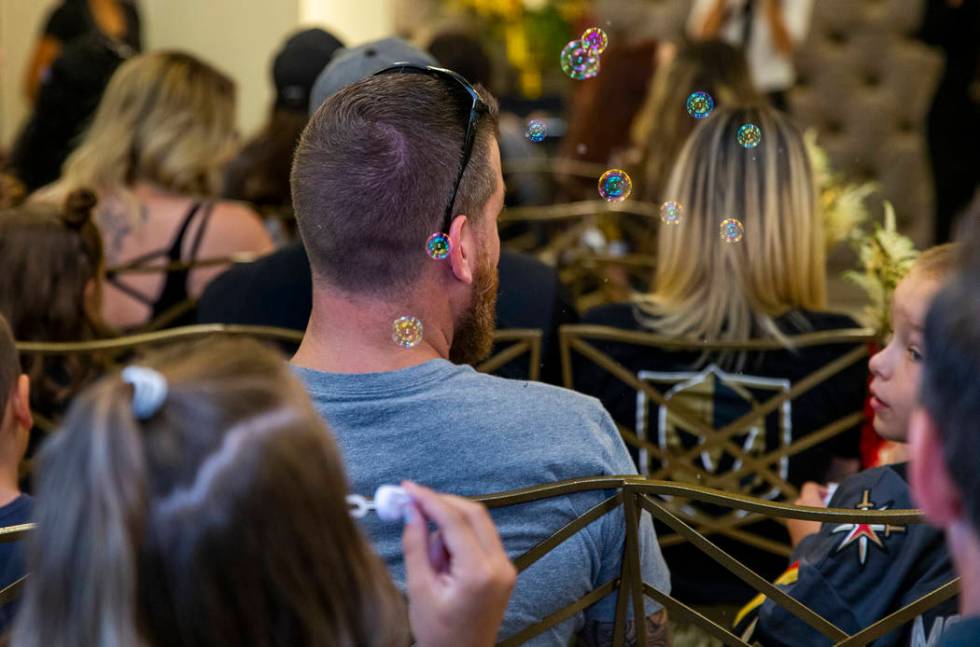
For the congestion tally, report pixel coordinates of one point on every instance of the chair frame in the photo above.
(577, 338)
(636, 494)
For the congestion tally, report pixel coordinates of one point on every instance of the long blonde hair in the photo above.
(707, 288)
(166, 118)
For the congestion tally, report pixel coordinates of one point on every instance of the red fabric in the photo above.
(871, 442)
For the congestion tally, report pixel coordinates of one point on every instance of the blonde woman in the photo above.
(768, 285)
(155, 153)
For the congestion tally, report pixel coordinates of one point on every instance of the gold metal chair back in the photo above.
(753, 468)
(637, 495)
(510, 345)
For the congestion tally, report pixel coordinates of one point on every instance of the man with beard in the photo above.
(397, 187)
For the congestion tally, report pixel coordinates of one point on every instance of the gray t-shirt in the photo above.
(459, 431)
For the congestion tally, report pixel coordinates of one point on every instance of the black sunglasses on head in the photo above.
(477, 106)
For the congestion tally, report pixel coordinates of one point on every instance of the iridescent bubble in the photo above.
(671, 212)
(700, 104)
(578, 62)
(732, 230)
(406, 332)
(615, 185)
(438, 246)
(537, 130)
(749, 135)
(595, 39)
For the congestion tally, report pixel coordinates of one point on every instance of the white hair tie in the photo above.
(149, 390)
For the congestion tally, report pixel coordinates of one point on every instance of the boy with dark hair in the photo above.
(856, 574)
(945, 436)
(15, 427)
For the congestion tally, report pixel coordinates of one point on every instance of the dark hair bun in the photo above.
(78, 208)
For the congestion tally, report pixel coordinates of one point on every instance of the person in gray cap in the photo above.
(355, 63)
(260, 172)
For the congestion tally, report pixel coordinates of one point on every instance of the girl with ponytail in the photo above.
(197, 499)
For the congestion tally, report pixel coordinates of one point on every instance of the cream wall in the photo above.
(20, 22)
(353, 21)
(238, 36)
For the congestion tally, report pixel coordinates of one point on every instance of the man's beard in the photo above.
(473, 334)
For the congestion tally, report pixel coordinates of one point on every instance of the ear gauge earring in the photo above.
(390, 502)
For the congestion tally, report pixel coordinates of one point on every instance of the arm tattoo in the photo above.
(600, 634)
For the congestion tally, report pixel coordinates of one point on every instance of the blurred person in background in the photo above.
(602, 110)
(51, 273)
(117, 20)
(953, 26)
(663, 125)
(768, 30)
(154, 154)
(65, 103)
(259, 174)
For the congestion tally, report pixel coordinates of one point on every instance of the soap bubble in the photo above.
(595, 40)
(615, 185)
(700, 104)
(671, 212)
(438, 246)
(578, 62)
(732, 230)
(406, 332)
(537, 130)
(749, 135)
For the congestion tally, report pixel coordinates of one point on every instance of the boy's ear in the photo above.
(21, 402)
(933, 489)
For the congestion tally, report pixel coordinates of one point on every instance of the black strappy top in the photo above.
(175, 289)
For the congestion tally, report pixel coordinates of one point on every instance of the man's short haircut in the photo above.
(950, 389)
(373, 174)
(9, 364)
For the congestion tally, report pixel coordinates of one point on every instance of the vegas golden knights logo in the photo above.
(716, 398)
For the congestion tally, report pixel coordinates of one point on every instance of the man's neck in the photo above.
(352, 334)
(965, 548)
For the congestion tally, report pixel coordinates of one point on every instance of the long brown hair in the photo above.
(51, 262)
(218, 519)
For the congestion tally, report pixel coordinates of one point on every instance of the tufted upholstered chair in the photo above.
(865, 84)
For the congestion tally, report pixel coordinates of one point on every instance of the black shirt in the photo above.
(12, 565)
(762, 377)
(74, 18)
